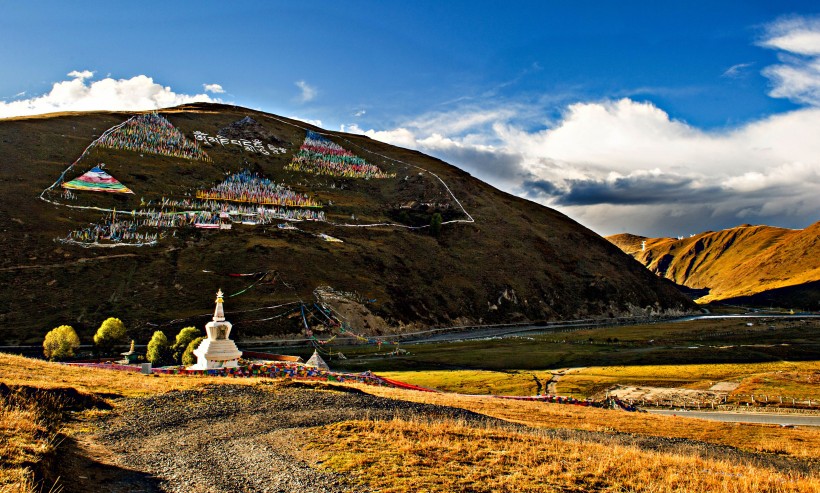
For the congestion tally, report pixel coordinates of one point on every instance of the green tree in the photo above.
(159, 350)
(435, 224)
(184, 338)
(60, 343)
(110, 333)
(188, 357)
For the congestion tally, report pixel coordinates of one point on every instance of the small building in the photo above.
(130, 357)
(316, 361)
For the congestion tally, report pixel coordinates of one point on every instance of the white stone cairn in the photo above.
(218, 350)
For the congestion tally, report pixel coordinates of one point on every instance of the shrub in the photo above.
(110, 333)
(188, 357)
(184, 339)
(60, 343)
(435, 224)
(159, 350)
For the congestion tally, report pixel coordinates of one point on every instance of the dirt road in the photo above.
(765, 418)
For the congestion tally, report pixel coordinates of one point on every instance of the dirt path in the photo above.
(552, 384)
(240, 438)
(85, 465)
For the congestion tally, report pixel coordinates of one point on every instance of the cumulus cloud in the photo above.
(81, 94)
(213, 88)
(627, 166)
(308, 93)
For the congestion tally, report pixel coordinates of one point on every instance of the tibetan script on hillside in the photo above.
(255, 145)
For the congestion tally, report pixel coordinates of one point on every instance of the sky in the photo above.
(654, 118)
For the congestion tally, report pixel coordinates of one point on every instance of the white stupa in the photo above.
(218, 350)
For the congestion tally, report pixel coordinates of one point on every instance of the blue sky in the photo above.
(626, 116)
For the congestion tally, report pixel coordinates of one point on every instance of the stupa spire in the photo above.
(219, 312)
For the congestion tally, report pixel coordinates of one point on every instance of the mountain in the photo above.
(761, 265)
(390, 239)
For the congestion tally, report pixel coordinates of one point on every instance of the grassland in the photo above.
(784, 378)
(402, 456)
(449, 455)
(706, 341)
(479, 382)
(31, 425)
(803, 443)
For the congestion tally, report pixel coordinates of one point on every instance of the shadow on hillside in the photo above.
(802, 297)
(80, 467)
(691, 293)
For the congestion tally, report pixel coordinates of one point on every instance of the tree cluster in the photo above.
(62, 342)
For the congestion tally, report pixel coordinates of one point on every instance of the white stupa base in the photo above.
(215, 354)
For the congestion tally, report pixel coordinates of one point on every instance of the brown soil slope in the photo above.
(739, 262)
(518, 261)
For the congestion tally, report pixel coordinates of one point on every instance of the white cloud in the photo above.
(85, 74)
(79, 94)
(627, 164)
(359, 113)
(213, 88)
(736, 71)
(800, 35)
(314, 122)
(797, 77)
(623, 165)
(308, 92)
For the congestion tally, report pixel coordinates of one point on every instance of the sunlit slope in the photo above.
(738, 262)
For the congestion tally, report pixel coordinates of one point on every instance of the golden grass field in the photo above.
(797, 442)
(482, 382)
(401, 456)
(446, 455)
(28, 429)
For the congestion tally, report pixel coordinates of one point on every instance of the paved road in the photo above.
(766, 418)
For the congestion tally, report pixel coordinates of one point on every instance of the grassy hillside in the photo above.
(49, 428)
(745, 262)
(517, 261)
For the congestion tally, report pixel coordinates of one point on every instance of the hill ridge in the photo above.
(739, 262)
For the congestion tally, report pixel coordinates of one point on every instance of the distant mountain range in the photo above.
(761, 265)
(391, 239)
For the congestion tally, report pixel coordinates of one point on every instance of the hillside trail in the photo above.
(81, 260)
(552, 384)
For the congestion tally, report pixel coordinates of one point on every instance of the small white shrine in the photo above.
(218, 350)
